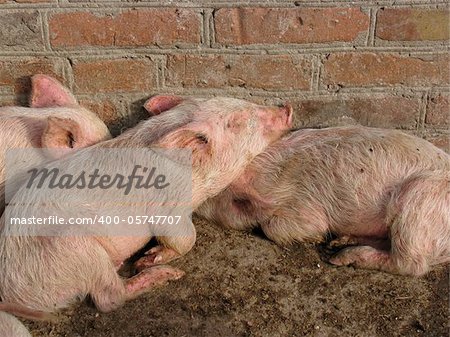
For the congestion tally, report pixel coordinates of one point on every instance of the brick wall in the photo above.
(337, 62)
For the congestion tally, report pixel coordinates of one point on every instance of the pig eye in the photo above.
(71, 141)
(202, 138)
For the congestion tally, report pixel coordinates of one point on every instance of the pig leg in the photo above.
(306, 227)
(165, 253)
(150, 278)
(364, 257)
(48, 273)
(160, 254)
(418, 219)
(11, 326)
(340, 242)
(169, 248)
(111, 291)
(108, 292)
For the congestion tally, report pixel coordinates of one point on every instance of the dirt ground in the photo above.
(241, 284)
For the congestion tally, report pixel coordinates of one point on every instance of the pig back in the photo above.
(346, 172)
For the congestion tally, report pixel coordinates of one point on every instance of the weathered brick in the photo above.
(20, 30)
(15, 74)
(34, 1)
(143, 27)
(378, 111)
(368, 69)
(235, 26)
(407, 24)
(105, 109)
(438, 110)
(114, 75)
(251, 71)
(7, 102)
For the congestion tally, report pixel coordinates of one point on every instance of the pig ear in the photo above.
(197, 141)
(47, 92)
(60, 133)
(161, 103)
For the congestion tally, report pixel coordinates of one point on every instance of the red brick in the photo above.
(105, 109)
(407, 24)
(378, 111)
(34, 1)
(15, 74)
(114, 75)
(20, 30)
(438, 110)
(158, 26)
(368, 69)
(251, 71)
(235, 26)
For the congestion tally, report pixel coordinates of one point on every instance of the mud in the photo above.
(241, 284)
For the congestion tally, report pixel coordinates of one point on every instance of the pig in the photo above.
(48, 273)
(54, 120)
(382, 191)
(11, 326)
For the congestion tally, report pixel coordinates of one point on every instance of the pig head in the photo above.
(54, 120)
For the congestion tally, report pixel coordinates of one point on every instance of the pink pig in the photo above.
(54, 120)
(11, 326)
(383, 191)
(224, 134)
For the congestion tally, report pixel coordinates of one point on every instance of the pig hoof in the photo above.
(154, 250)
(363, 257)
(342, 241)
(156, 255)
(146, 262)
(152, 258)
(348, 256)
